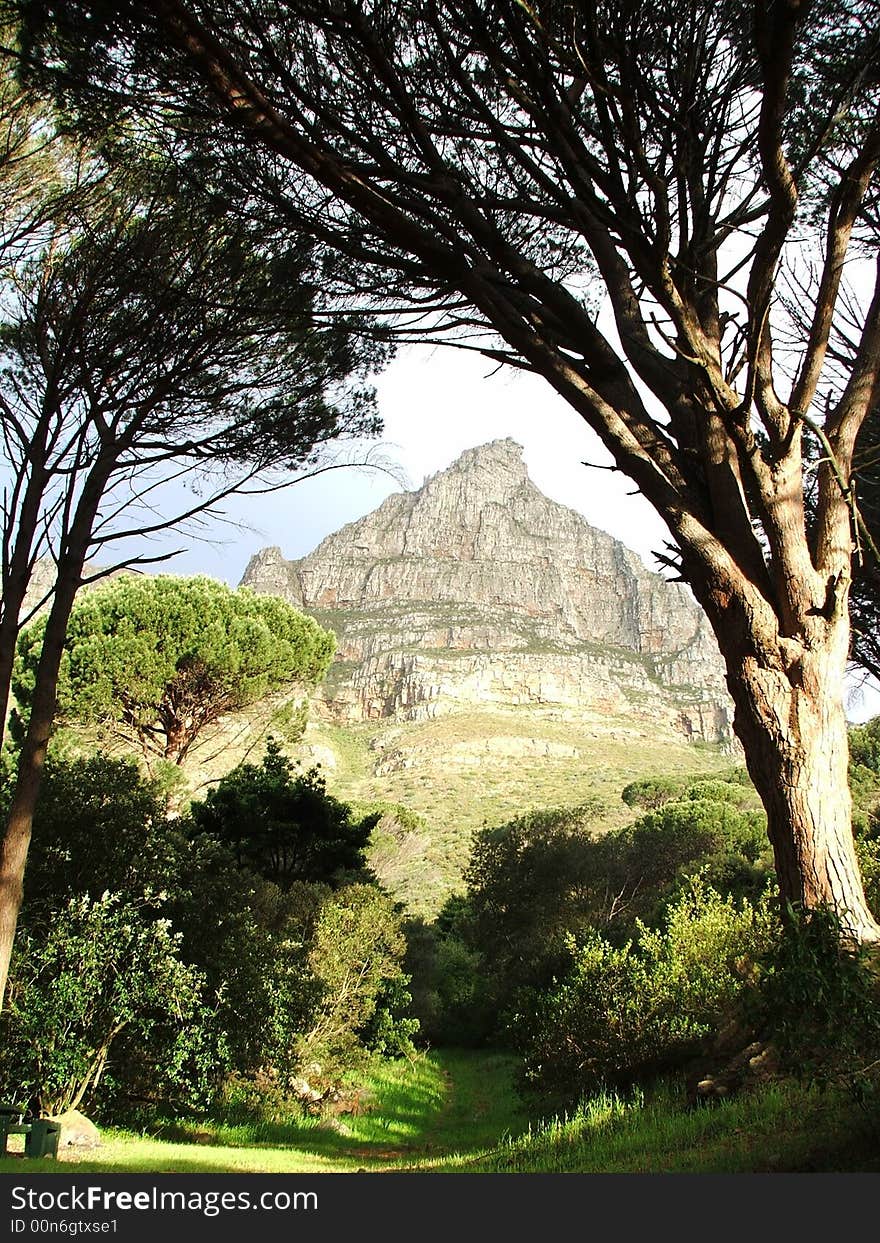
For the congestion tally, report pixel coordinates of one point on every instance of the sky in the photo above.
(435, 403)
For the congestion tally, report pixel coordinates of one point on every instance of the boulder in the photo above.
(77, 1131)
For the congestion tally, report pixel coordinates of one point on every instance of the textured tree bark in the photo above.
(790, 718)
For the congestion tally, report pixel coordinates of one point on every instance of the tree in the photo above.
(356, 954)
(284, 826)
(159, 660)
(865, 598)
(100, 828)
(151, 338)
(488, 164)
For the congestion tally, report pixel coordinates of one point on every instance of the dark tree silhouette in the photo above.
(490, 166)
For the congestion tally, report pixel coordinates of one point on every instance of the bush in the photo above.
(99, 827)
(355, 956)
(100, 1005)
(653, 792)
(622, 1012)
(864, 745)
(530, 883)
(450, 997)
(818, 998)
(718, 791)
(284, 826)
(658, 853)
(868, 853)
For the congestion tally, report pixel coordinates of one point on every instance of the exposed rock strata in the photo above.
(478, 589)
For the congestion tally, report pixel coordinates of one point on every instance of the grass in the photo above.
(781, 1127)
(415, 1113)
(457, 795)
(458, 1112)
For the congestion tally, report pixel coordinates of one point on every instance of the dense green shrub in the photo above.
(868, 853)
(541, 878)
(621, 1012)
(283, 825)
(864, 745)
(653, 792)
(530, 883)
(714, 790)
(275, 972)
(355, 955)
(390, 1029)
(100, 827)
(662, 849)
(818, 997)
(99, 1004)
(450, 997)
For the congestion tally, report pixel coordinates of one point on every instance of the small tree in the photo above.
(283, 826)
(159, 660)
(102, 972)
(101, 828)
(356, 955)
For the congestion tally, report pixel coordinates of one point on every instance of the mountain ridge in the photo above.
(476, 588)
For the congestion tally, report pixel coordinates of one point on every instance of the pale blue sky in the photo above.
(436, 404)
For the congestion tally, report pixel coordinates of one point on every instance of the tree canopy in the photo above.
(151, 335)
(160, 659)
(483, 170)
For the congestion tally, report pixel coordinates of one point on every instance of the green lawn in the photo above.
(456, 1111)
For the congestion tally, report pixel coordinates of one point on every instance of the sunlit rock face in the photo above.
(479, 590)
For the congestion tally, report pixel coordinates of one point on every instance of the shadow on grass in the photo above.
(412, 1113)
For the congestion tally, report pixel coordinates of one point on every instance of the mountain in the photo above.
(477, 591)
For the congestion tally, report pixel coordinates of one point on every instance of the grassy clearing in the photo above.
(458, 1112)
(457, 798)
(412, 1114)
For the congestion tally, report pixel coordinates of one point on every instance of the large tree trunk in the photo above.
(17, 838)
(790, 720)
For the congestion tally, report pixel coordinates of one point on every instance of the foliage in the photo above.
(162, 658)
(500, 181)
(537, 881)
(865, 592)
(623, 1012)
(653, 792)
(250, 942)
(264, 957)
(660, 850)
(868, 848)
(864, 746)
(356, 955)
(819, 997)
(530, 883)
(390, 1029)
(98, 984)
(451, 998)
(100, 827)
(284, 826)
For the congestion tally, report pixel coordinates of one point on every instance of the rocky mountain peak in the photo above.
(480, 565)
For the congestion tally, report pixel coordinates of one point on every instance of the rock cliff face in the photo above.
(479, 590)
